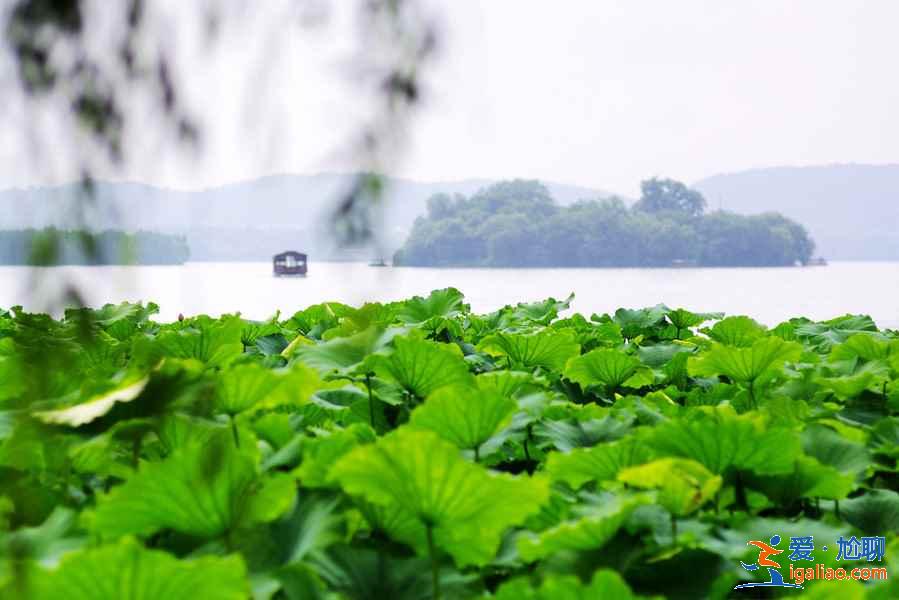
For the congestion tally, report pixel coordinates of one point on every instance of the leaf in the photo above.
(599, 463)
(202, 489)
(548, 349)
(241, 387)
(736, 331)
(604, 584)
(720, 440)
(830, 448)
(639, 321)
(467, 507)
(509, 383)
(684, 485)
(876, 512)
(871, 376)
(96, 406)
(419, 366)
(605, 367)
(342, 354)
(464, 415)
(126, 571)
(567, 435)
(809, 479)
(684, 319)
(213, 342)
(372, 573)
(765, 356)
(586, 533)
(447, 303)
(321, 453)
(860, 345)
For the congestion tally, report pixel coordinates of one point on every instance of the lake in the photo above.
(769, 295)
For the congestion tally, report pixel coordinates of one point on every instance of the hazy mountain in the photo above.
(851, 211)
(242, 221)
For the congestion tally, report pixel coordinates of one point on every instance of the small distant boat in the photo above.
(817, 261)
(683, 263)
(289, 264)
(378, 262)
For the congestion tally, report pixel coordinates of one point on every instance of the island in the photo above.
(518, 224)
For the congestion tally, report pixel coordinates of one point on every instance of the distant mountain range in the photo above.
(852, 211)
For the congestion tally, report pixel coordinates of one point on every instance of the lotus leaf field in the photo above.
(417, 450)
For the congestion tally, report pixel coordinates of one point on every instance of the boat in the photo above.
(378, 262)
(817, 261)
(290, 263)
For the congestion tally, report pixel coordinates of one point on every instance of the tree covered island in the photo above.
(519, 224)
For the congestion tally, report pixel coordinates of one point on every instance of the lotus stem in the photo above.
(371, 401)
(673, 529)
(435, 571)
(477, 453)
(234, 432)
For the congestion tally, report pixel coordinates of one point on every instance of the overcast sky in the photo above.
(596, 93)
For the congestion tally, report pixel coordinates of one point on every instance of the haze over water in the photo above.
(769, 295)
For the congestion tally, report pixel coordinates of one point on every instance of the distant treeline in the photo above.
(61, 247)
(518, 224)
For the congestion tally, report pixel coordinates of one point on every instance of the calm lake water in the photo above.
(769, 295)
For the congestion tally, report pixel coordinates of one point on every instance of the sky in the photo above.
(597, 93)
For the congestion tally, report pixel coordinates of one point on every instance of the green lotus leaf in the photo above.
(126, 571)
(661, 354)
(447, 303)
(830, 448)
(827, 334)
(203, 489)
(296, 385)
(885, 436)
(874, 513)
(736, 331)
(548, 349)
(861, 345)
(371, 315)
(213, 342)
(639, 321)
(684, 319)
(121, 321)
(586, 533)
(371, 574)
(42, 545)
(314, 320)
(683, 485)
(871, 376)
(569, 434)
(509, 383)
(604, 584)
(721, 440)
(466, 507)
(809, 479)
(532, 313)
(608, 368)
(96, 406)
(241, 387)
(420, 366)
(765, 356)
(602, 462)
(342, 354)
(321, 453)
(464, 415)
